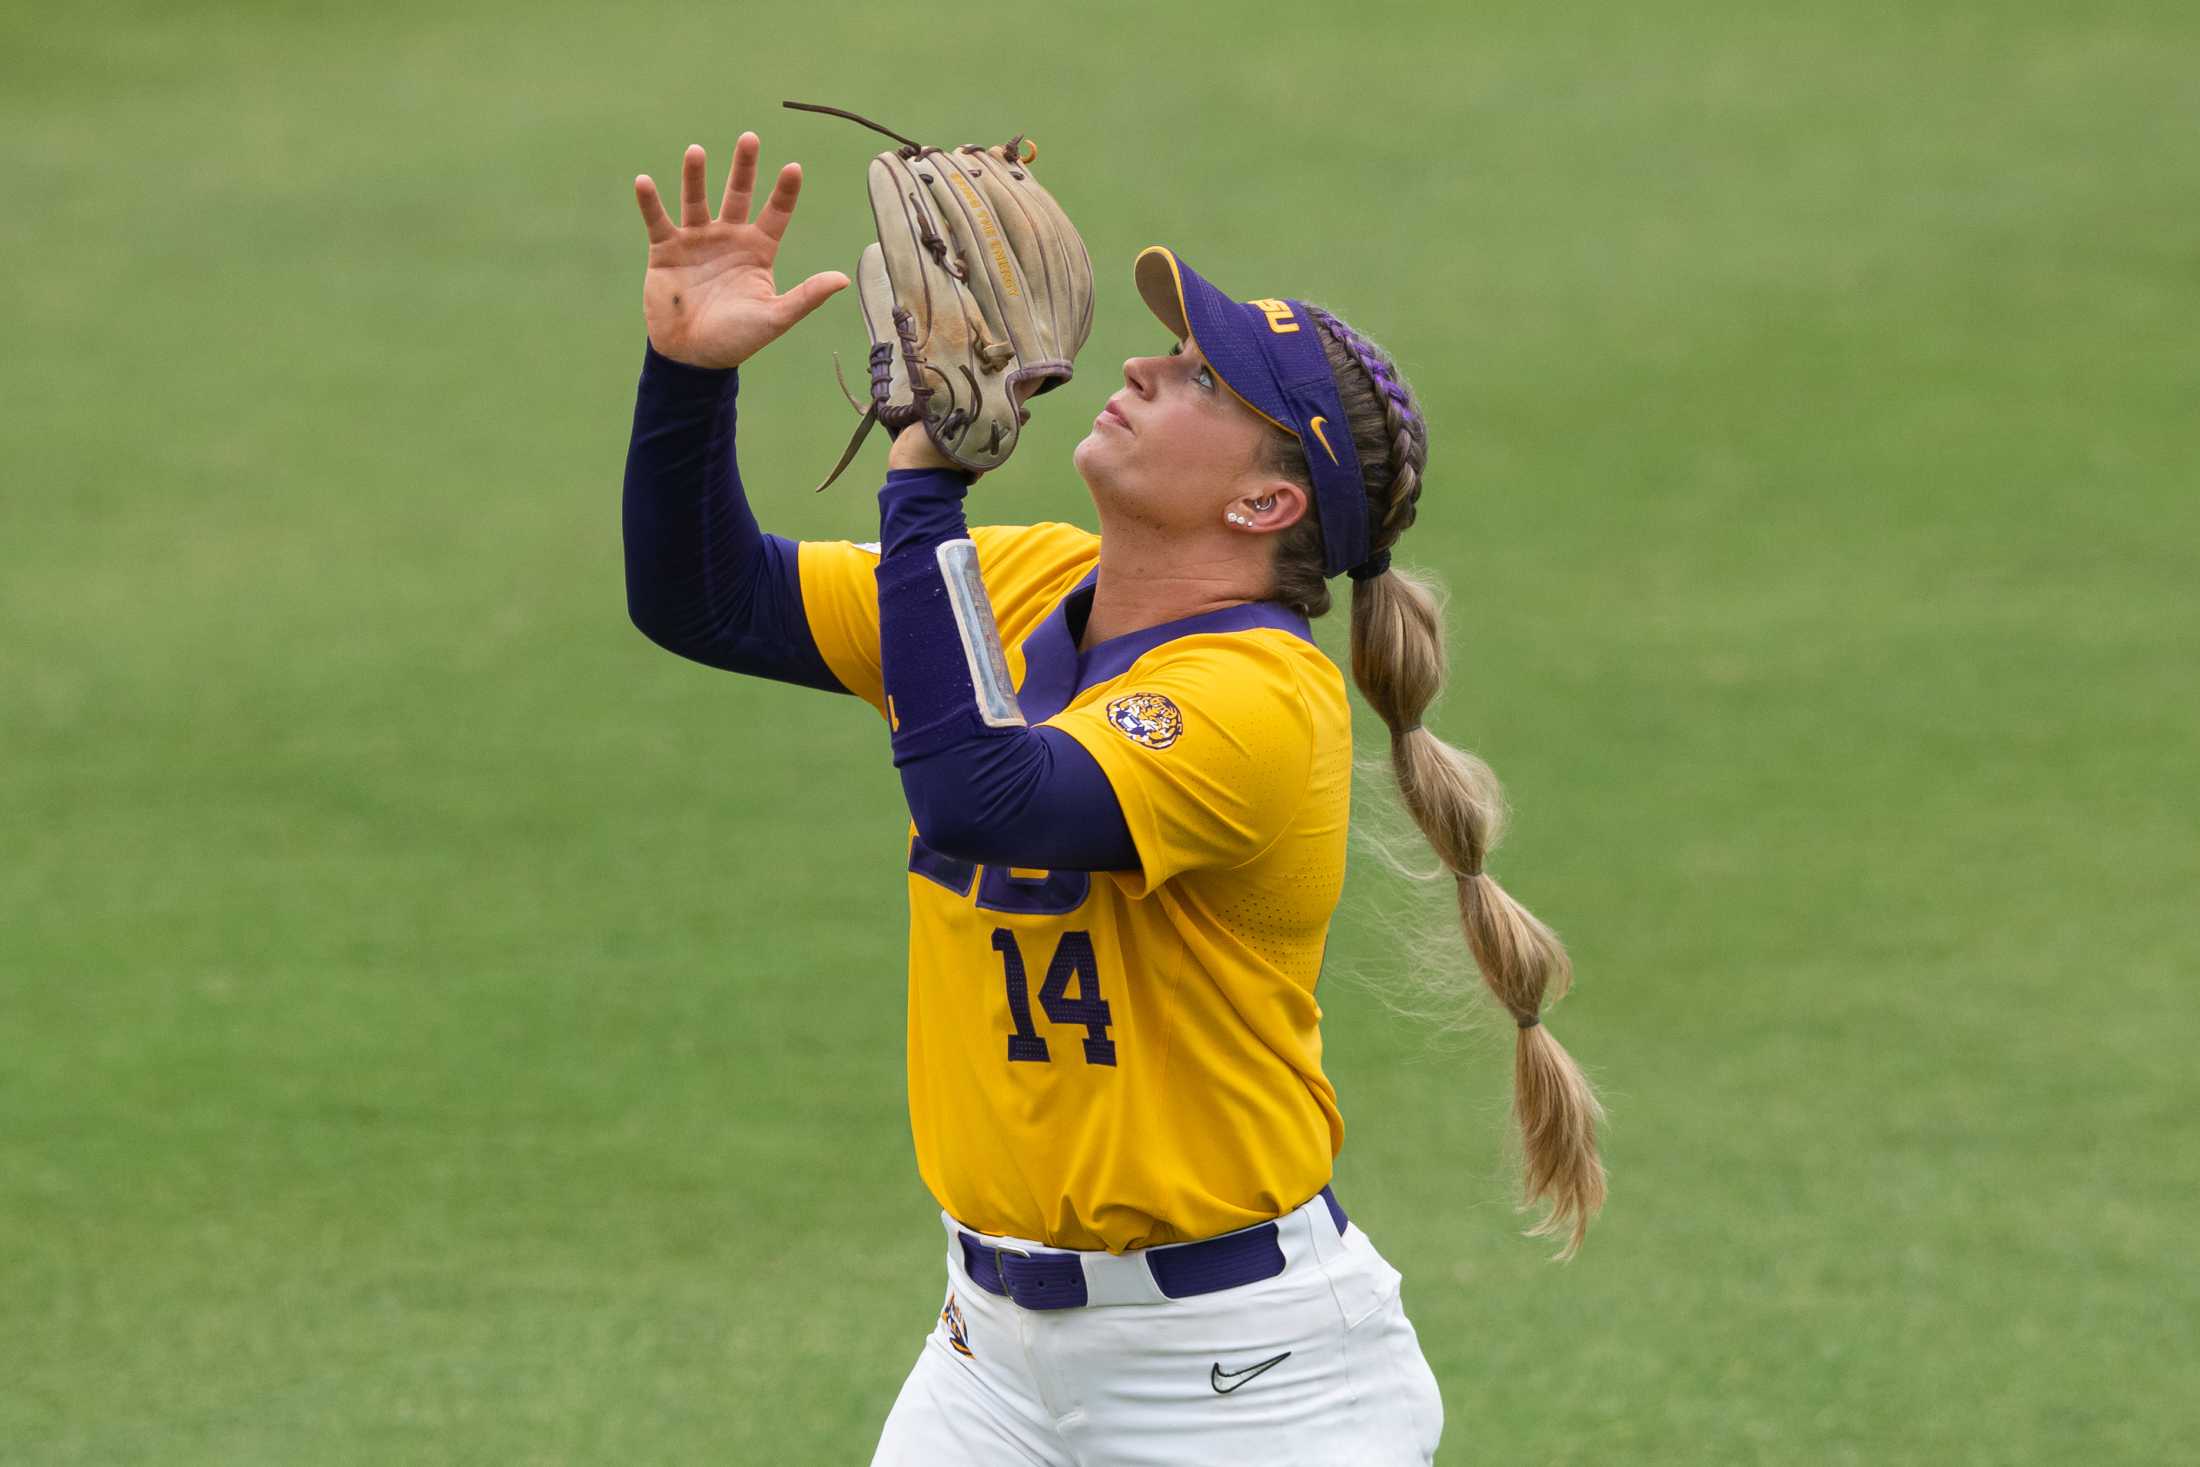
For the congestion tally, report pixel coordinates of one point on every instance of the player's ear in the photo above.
(1274, 504)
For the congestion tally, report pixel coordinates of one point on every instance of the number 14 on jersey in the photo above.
(1073, 962)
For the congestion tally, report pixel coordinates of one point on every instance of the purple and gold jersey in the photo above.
(1122, 1059)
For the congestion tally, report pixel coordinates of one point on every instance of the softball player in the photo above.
(1128, 770)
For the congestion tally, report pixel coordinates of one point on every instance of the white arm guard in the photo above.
(981, 638)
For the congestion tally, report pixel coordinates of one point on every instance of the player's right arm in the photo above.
(703, 580)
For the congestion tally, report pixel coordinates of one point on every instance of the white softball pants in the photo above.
(1317, 1365)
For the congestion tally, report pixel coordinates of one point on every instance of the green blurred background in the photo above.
(438, 1027)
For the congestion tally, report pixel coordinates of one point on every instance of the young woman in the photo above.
(1120, 887)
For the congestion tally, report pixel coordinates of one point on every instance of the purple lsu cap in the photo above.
(1268, 352)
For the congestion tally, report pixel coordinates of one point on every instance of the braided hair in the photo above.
(1398, 661)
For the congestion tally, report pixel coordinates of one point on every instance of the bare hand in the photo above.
(913, 449)
(707, 296)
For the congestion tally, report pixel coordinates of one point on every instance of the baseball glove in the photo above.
(978, 286)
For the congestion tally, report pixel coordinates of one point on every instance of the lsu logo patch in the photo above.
(952, 1317)
(1146, 718)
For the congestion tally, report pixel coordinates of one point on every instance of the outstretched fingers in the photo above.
(693, 211)
(779, 208)
(654, 218)
(741, 181)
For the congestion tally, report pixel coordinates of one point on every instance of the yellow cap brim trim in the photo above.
(1162, 287)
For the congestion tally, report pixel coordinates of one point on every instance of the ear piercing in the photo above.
(1238, 519)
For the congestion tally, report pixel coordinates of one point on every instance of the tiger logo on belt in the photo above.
(1147, 718)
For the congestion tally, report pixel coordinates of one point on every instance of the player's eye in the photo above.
(1205, 376)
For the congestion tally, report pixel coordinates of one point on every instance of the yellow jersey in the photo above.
(1121, 1059)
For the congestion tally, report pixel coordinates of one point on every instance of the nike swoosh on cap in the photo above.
(1316, 425)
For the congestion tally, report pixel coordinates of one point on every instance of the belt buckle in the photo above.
(1001, 1269)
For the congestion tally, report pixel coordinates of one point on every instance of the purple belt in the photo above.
(1056, 1280)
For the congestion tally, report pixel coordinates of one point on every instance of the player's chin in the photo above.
(1092, 455)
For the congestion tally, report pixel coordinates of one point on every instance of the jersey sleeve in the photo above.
(1024, 567)
(840, 600)
(1209, 744)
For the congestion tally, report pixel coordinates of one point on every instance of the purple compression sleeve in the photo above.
(701, 579)
(1021, 796)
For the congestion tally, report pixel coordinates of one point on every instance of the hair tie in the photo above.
(1531, 1021)
(1373, 566)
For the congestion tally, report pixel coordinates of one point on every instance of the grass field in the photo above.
(437, 1027)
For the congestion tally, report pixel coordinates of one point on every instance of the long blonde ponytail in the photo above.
(1399, 663)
